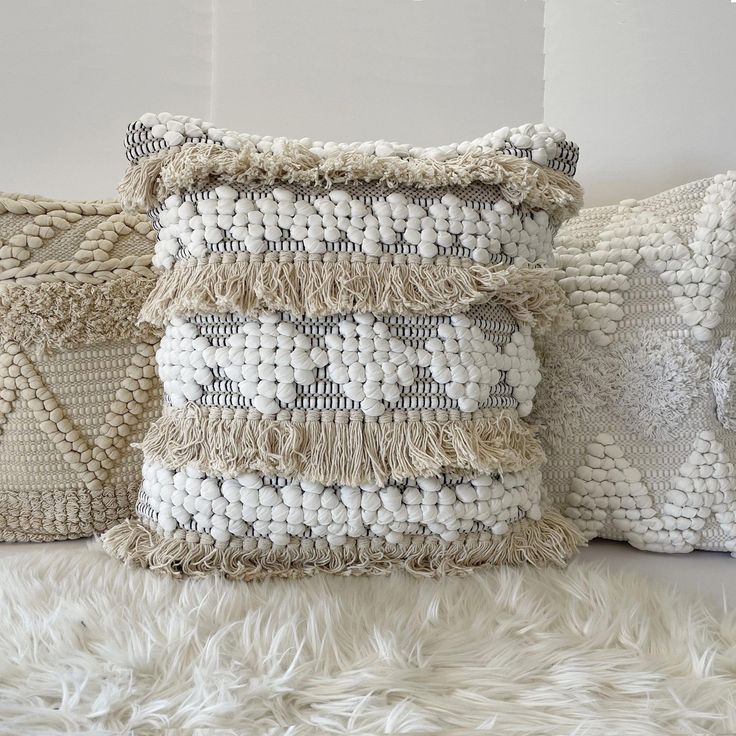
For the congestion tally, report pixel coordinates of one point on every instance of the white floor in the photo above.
(705, 573)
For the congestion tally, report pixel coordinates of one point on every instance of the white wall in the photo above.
(424, 72)
(74, 73)
(645, 86)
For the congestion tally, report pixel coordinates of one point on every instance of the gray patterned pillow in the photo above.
(638, 397)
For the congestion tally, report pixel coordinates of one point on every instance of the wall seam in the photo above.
(544, 62)
(213, 26)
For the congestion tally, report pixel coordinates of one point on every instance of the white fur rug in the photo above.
(89, 646)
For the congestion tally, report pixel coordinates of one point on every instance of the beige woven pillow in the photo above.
(77, 376)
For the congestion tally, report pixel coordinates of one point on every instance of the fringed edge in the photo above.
(194, 166)
(549, 541)
(55, 316)
(348, 451)
(318, 288)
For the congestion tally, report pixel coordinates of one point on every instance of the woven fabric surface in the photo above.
(348, 354)
(78, 381)
(638, 398)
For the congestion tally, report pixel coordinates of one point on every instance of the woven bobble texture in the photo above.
(638, 401)
(348, 351)
(78, 381)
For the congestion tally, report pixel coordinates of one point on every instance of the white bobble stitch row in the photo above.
(268, 359)
(381, 225)
(251, 505)
(542, 141)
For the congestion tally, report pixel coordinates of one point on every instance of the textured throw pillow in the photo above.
(638, 398)
(348, 352)
(77, 376)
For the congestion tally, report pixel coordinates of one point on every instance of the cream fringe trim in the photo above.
(345, 451)
(59, 316)
(195, 166)
(318, 288)
(550, 541)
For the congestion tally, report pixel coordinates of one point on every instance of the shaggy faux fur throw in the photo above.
(90, 646)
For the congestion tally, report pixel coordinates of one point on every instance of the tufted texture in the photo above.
(348, 354)
(77, 375)
(638, 398)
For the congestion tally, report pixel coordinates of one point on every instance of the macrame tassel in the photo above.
(318, 288)
(549, 541)
(347, 452)
(140, 184)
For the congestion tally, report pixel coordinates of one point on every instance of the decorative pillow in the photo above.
(348, 352)
(637, 398)
(77, 376)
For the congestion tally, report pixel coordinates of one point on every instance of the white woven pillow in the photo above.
(348, 354)
(77, 375)
(638, 398)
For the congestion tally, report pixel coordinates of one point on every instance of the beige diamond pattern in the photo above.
(92, 459)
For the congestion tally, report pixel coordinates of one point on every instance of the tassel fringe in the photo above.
(318, 288)
(550, 541)
(197, 165)
(61, 315)
(341, 450)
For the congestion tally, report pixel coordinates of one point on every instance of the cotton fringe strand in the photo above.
(61, 315)
(197, 166)
(341, 450)
(550, 541)
(316, 288)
